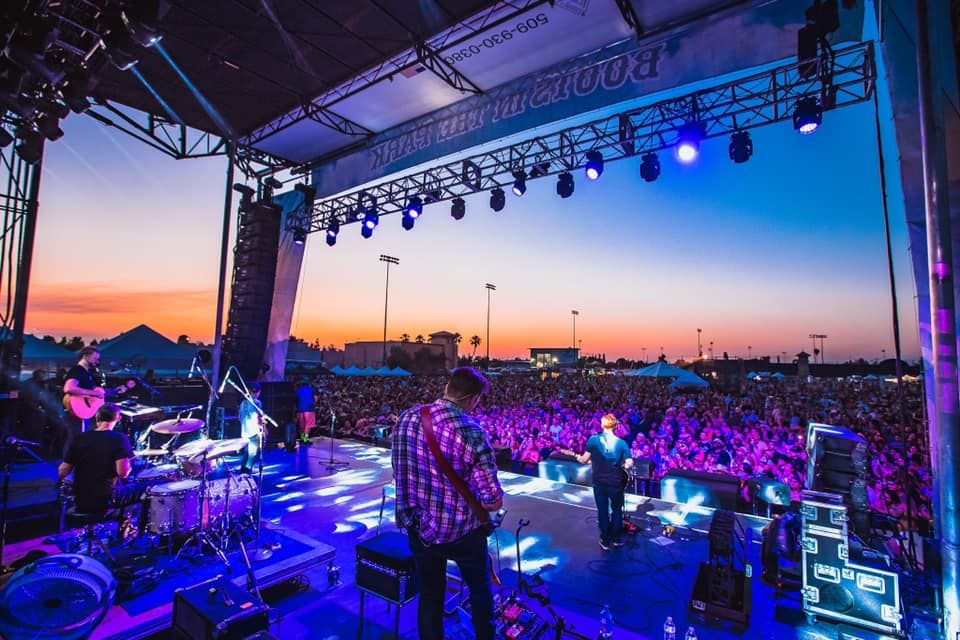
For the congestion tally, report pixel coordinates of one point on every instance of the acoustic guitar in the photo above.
(85, 407)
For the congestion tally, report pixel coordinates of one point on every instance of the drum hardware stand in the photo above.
(201, 536)
(334, 465)
(262, 552)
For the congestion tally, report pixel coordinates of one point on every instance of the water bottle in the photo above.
(669, 629)
(691, 634)
(606, 623)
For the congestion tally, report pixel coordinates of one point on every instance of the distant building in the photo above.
(553, 357)
(369, 353)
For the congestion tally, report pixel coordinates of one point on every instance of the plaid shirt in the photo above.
(424, 494)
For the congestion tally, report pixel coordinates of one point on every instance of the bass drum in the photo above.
(174, 507)
(63, 596)
(241, 491)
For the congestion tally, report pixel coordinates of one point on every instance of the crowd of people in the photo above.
(755, 430)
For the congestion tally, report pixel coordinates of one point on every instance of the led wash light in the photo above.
(594, 166)
(688, 142)
(650, 167)
(332, 232)
(741, 146)
(519, 183)
(565, 184)
(807, 116)
(458, 208)
(414, 208)
(497, 199)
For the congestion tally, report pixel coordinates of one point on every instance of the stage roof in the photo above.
(305, 80)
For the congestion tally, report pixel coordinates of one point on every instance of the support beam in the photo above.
(750, 102)
(630, 17)
(439, 67)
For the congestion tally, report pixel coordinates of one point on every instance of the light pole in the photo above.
(699, 347)
(749, 352)
(574, 313)
(711, 350)
(814, 337)
(490, 288)
(386, 297)
(644, 349)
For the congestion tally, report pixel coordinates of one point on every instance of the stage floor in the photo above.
(645, 581)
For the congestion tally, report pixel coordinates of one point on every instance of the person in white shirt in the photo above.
(251, 428)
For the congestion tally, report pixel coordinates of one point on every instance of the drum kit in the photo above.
(180, 499)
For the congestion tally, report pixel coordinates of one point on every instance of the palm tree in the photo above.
(457, 338)
(419, 338)
(405, 338)
(474, 342)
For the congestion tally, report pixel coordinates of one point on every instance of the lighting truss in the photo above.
(182, 142)
(760, 99)
(489, 18)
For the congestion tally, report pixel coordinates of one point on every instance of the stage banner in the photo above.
(737, 40)
(289, 261)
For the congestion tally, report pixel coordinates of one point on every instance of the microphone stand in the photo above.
(334, 465)
(211, 399)
(262, 552)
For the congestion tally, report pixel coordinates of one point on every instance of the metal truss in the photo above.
(182, 142)
(444, 70)
(630, 16)
(19, 185)
(760, 99)
(500, 12)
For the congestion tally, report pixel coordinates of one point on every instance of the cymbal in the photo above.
(195, 448)
(180, 425)
(151, 452)
(227, 447)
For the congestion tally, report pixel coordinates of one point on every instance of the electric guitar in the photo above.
(624, 474)
(85, 407)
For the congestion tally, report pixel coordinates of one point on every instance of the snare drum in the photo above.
(241, 492)
(174, 507)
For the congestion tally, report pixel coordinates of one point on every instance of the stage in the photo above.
(329, 511)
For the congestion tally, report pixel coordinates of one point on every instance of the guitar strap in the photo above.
(475, 507)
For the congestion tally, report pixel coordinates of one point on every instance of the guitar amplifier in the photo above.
(217, 610)
(385, 568)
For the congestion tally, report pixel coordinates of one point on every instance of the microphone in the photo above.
(193, 368)
(13, 441)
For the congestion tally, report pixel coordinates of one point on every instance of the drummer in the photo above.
(97, 460)
(251, 428)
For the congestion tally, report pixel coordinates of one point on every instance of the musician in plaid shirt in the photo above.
(438, 520)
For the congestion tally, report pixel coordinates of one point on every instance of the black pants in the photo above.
(470, 554)
(609, 511)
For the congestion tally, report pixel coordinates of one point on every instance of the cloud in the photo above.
(105, 298)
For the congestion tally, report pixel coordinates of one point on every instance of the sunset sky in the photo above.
(760, 254)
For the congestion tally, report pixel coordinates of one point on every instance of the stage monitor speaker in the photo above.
(565, 471)
(504, 458)
(643, 468)
(834, 586)
(713, 490)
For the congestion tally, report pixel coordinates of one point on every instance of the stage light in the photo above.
(332, 230)
(30, 148)
(408, 222)
(141, 19)
(650, 166)
(688, 141)
(371, 219)
(458, 209)
(414, 207)
(519, 183)
(366, 232)
(299, 236)
(359, 214)
(118, 45)
(5, 137)
(497, 199)
(49, 126)
(594, 167)
(565, 184)
(807, 115)
(741, 146)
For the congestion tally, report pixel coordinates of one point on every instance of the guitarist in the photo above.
(610, 457)
(441, 522)
(83, 379)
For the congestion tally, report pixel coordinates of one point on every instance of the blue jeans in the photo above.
(470, 554)
(249, 454)
(609, 511)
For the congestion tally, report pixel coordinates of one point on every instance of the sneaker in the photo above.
(618, 543)
(604, 544)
